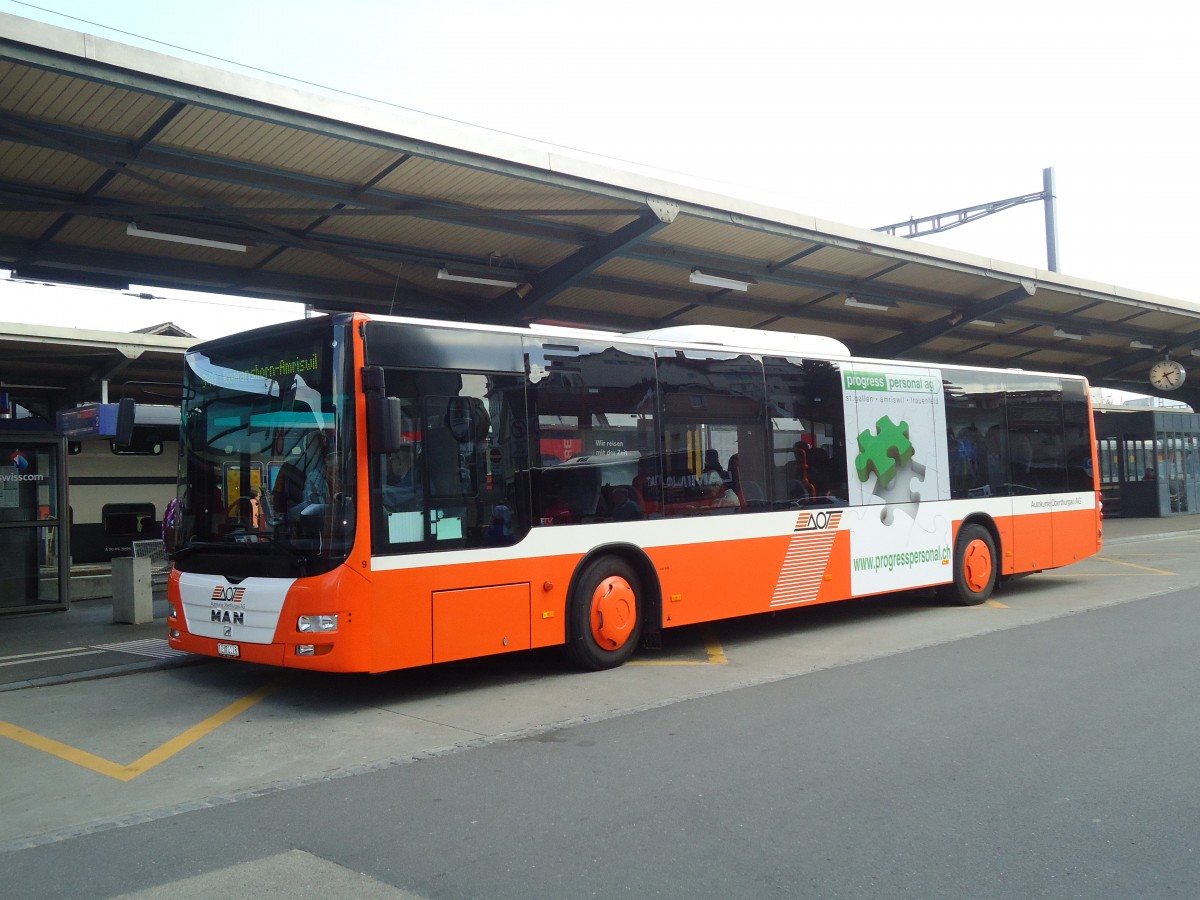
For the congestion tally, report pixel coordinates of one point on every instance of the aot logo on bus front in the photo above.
(228, 594)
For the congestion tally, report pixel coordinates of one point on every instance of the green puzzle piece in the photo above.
(883, 451)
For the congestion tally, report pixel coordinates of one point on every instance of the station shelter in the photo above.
(1148, 462)
(34, 558)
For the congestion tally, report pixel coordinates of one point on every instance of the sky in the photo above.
(863, 113)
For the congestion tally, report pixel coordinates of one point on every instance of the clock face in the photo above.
(1167, 375)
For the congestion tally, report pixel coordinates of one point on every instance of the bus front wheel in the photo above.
(604, 617)
(975, 567)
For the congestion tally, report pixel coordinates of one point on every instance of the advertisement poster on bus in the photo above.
(897, 464)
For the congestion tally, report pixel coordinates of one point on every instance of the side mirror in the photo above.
(385, 415)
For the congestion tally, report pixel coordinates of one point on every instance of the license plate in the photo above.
(231, 650)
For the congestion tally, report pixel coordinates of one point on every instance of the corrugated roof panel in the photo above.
(706, 236)
(65, 100)
(240, 138)
(47, 169)
(1164, 324)
(1042, 304)
(1118, 314)
(324, 265)
(834, 261)
(919, 276)
(734, 318)
(154, 188)
(421, 177)
(649, 272)
(857, 339)
(449, 241)
(25, 225)
(618, 304)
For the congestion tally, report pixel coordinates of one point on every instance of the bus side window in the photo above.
(807, 432)
(592, 411)
(712, 412)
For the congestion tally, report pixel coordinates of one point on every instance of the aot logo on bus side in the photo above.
(818, 520)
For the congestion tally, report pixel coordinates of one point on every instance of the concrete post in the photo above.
(133, 596)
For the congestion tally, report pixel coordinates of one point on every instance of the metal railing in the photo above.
(160, 562)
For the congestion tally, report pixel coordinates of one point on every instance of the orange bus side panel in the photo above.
(696, 590)
(1033, 542)
(480, 621)
(1004, 525)
(402, 608)
(1076, 535)
(402, 622)
(835, 582)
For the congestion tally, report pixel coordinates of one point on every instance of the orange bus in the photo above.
(362, 494)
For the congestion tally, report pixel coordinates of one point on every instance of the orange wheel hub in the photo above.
(977, 565)
(614, 612)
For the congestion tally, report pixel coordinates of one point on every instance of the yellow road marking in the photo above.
(156, 756)
(716, 653)
(716, 657)
(995, 603)
(1121, 562)
(666, 662)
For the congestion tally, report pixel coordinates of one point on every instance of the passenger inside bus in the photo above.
(821, 470)
(253, 510)
(624, 507)
(796, 474)
(402, 483)
(751, 493)
(316, 474)
(288, 492)
(719, 494)
(501, 530)
(712, 463)
(555, 511)
(240, 515)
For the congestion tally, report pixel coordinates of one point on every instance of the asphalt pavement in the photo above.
(83, 642)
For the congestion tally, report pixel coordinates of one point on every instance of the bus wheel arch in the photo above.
(612, 598)
(976, 563)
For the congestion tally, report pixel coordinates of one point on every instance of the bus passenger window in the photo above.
(592, 409)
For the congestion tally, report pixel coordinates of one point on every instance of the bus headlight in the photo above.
(321, 624)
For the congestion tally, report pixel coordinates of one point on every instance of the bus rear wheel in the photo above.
(604, 614)
(975, 567)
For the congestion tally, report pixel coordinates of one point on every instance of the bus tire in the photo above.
(975, 567)
(604, 613)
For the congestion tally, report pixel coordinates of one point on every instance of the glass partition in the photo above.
(31, 490)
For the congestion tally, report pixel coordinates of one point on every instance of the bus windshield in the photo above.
(264, 456)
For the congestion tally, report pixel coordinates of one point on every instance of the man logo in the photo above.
(228, 631)
(228, 594)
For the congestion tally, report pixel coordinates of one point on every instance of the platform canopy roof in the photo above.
(47, 368)
(119, 165)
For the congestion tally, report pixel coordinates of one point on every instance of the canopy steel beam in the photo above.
(579, 266)
(912, 338)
